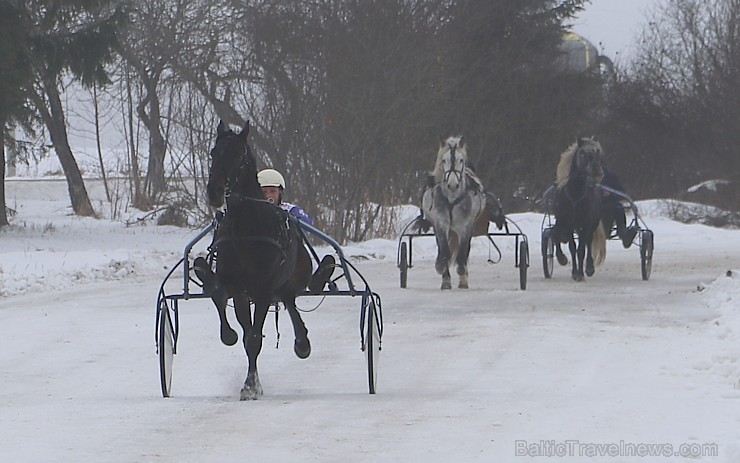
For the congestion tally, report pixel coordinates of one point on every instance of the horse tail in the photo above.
(454, 243)
(598, 244)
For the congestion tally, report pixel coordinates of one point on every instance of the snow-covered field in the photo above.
(614, 369)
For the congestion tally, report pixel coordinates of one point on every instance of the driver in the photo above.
(613, 211)
(273, 184)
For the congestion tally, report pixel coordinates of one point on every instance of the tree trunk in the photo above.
(97, 142)
(155, 178)
(54, 121)
(140, 201)
(3, 209)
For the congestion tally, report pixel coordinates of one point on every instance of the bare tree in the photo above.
(350, 97)
(49, 104)
(679, 103)
(157, 33)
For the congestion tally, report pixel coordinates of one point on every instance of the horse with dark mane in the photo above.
(577, 206)
(452, 203)
(260, 254)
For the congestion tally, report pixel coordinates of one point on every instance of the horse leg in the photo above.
(581, 255)
(442, 264)
(242, 309)
(228, 335)
(446, 279)
(589, 257)
(560, 237)
(463, 284)
(562, 259)
(590, 269)
(252, 389)
(577, 265)
(463, 253)
(302, 346)
(443, 254)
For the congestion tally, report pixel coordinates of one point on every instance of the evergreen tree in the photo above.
(59, 40)
(15, 74)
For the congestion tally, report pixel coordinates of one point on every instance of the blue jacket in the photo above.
(297, 211)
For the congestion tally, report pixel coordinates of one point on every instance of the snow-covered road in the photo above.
(564, 371)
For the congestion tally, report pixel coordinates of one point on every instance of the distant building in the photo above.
(579, 55)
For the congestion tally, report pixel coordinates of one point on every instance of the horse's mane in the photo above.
(458, 142)
(566, 161)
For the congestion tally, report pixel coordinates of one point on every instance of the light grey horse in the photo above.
(452, 202)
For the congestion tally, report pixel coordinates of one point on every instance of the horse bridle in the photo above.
(234, 177)
(589, 180)
(458, 173)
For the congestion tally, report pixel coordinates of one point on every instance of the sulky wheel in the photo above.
(372, 343)
(548, 252)
(166, 348)
(523, 263)
(403, 264)
(646, 254)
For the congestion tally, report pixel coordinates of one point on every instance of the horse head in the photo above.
(589, 159)
(450, 167)
(233, 166)
(583, 159)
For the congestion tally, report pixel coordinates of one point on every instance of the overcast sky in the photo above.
(613, 26)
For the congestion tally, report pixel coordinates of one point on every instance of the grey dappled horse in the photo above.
(452, 203)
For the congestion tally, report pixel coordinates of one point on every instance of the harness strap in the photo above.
(589, 186)
(263, 239)
(457, 200)
(282, 242)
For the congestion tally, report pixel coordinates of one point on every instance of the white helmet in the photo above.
(270, 177)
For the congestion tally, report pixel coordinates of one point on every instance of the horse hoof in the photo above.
(463, 286)
(250, 393)
(446, 285)
(302, 348)
(577, 277)
(229, 336)
(590, 271)
(562, 260)
(252, 389)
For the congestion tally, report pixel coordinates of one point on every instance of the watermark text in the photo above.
(576, 448)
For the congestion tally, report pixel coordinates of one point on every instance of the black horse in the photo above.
(578, 206)
(260, 254)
